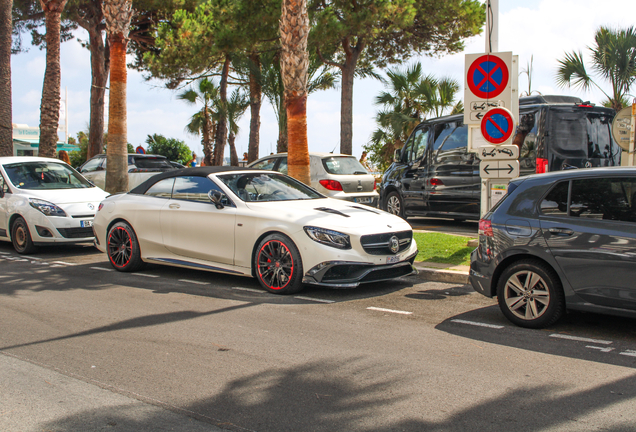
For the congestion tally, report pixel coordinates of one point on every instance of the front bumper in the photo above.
(346, 274)
(51, 229)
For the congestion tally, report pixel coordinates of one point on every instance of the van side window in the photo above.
(442, 131)
(419, 143)
(455, 146)
(526, 135)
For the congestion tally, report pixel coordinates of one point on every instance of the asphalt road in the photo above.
(83, 347)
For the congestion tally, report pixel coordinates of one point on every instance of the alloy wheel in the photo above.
(526, 295)
(275, 264)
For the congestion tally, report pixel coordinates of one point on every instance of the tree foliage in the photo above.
(172, 148)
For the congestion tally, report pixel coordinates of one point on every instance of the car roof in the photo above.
(193, 172)
(17, 159)
(583, 172)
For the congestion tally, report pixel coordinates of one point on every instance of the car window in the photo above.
(442, 131)
(161, 189)
(455, 145)
(581, 133)
(405, 155)
(604, 198)
(3, 185)
(268, 187)
(194, 189)
(343, 165)
(420, 139)
(152, 162)
(93, 164)
(556, 201)
(44, 175)
(266, 164)
(526, 134)
(282, 166)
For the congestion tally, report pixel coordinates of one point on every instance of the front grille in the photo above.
(378, 244)
(76, 232)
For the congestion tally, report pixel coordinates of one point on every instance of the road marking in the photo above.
(315, 299)
(250, 290)
(194, 282)
(580, 339)
(630, 353)
(4, 253)
(101, 268)
(601, 349)
(146, 275)
(478, 324)
(389, 310)
(33, 258)
(63, 263)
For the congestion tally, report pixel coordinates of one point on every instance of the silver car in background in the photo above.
(337, 176)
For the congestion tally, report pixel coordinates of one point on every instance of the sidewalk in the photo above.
(438, 272)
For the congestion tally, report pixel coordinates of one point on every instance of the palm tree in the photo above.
(204, 121)
(613, 59)
(294, 61)
(6, 129)
(50, 104)
(117, 14)
(236, 106)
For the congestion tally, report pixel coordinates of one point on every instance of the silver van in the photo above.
(337, 176)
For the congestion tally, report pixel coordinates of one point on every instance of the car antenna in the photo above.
(334, 149)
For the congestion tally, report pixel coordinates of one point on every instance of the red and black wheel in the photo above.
(278, 265)
(123, 248)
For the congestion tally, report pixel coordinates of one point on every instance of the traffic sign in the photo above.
(487, 76)
(499, 152)
(499, 169)
(497, 125)
(622, 127)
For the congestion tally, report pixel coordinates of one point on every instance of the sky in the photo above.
(538, 30)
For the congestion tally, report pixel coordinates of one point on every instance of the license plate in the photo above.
(365, 200)
(392, 259)
(86, 224)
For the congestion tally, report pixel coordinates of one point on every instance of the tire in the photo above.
(122, 248)
(21, 237)
(530, 294)
(394, 204)
(277, 265)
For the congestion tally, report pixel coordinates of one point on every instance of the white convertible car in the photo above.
(256, 223)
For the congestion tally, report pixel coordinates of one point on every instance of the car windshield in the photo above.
(44, 175)
(259, 187)
(343, 165)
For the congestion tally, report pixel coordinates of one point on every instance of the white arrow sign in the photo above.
(499, 169)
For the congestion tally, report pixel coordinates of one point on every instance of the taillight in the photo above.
(436, 182)
(542, 166)
(375, 184)
(331, 185)
(485, 228)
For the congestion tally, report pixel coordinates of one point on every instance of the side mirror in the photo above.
(216, 197)
(396, 155)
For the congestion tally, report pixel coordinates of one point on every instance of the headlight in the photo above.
(328, 237)
(47, 208)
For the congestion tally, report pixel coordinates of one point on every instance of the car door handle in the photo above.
(561, 231)
(174, 206)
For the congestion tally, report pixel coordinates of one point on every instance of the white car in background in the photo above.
(337, 176)
(255, 223)
(140, 168)
(45, 201)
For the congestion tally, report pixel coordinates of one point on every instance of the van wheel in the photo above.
(394, 205)
(530, 294)
(21, 237)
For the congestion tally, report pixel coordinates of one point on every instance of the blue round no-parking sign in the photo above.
(497, 125)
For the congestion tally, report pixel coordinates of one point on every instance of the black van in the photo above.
(435, 175)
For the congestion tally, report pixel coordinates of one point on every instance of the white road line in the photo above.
(314, 299)
(63, 263)
(33, 258)
(4, 253)
(146, 275)
(250, 290)
(580, 339)
(101, 268)
(630, 353)
(194, 282)
(601, 349)
(478, 324)
(389, 310)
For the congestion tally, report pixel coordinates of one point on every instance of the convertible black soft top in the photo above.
(193, 172)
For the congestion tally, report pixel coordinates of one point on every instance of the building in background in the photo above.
(26, 141)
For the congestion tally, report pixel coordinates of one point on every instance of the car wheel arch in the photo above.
(388, 189)
(258, 241)
(510, 260)
(115, 221)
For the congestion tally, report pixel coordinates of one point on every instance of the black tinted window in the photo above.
(581, 133)
(455, 145)
(162, 189)
(556, 202)
(150, 162)
(604, 198)
(193, 188)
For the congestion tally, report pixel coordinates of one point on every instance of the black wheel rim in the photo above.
(119, 247)
(275, 265)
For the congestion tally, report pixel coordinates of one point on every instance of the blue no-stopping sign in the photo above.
(497, 125)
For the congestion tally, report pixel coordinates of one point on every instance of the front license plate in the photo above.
(86, 224)
(392, 259)
(365, 200)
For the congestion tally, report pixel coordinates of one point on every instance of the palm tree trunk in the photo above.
(346, 97)
(282, 144)
(233, 154)
(6, 128)
(294, 29)
(50, 105)
(256, 95)
(221, 131)
(100, 65)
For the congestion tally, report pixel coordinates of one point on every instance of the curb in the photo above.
(440, 275)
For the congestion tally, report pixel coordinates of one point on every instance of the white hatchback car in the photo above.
(140, 168)
(337, 176)
(256, 223)
(45, 201)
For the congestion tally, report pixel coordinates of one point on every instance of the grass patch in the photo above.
(443, 248)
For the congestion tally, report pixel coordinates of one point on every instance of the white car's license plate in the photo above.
(365, 200)
(392, 259)
(86, 224)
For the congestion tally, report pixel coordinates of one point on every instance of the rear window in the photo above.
(343, 165)
(581, 133)
(152, 162)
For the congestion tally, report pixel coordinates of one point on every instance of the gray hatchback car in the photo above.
(560, 240)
